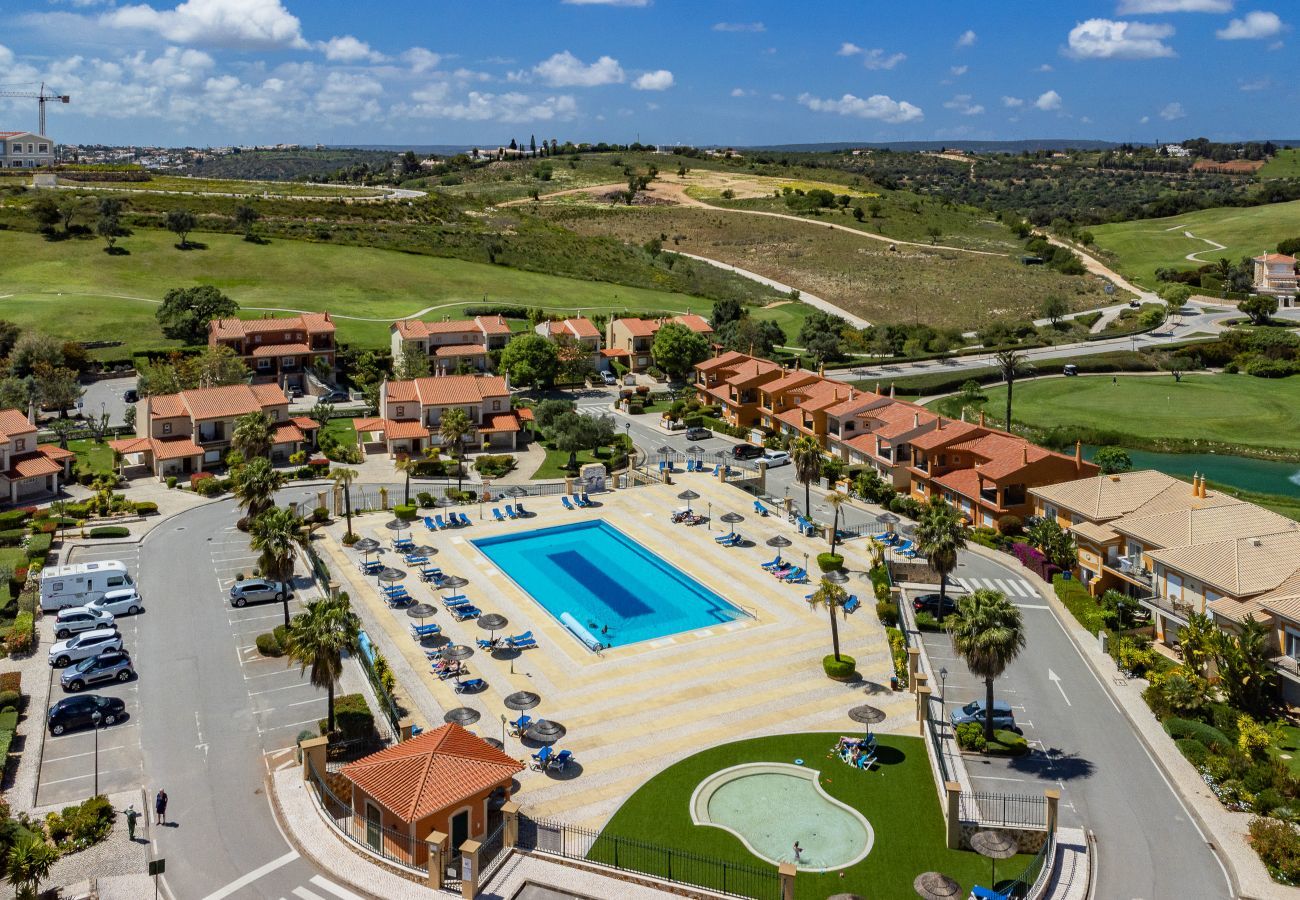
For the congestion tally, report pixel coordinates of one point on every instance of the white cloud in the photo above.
(607, 2)
(1144, 120)
(1012, 102)
(752, 27)
(435, 102)
(240, 24)
(1045, 67)
(1107, 39)
(877, 106)
(658, 80)
(967, 39)
(6, 57)
(1173, 111)
(348, 96)
(778, 97)
(877, 59)
(958, 71)
(848, 49)
(961, 103)
(1255, 25)
(1259, 84)
(349, 49)
(566, 70)
(420, 59)
(739, 92)
(1152, 7)
(1048, 101)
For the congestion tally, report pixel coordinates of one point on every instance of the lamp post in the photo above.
(503, 729)
(943, 692)
(95, 717)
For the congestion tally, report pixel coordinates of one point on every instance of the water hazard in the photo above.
(1265, 476)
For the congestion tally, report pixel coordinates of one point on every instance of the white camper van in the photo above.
(79, 584)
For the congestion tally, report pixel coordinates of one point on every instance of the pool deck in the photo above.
(637, 709)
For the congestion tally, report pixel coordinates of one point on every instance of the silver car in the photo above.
(121, 602)
(75, 619)
(257, 590)
(111, 665)
(84, 645)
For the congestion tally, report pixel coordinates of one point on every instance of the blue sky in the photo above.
(210, 72)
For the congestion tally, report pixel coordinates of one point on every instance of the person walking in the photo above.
(160, 807)
(131, 817)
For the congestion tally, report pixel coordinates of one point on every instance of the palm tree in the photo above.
(806, 454)
(252, 435)
(274, 534)
(452, 429)
(406, 465)
(1198, 639)
(344, 478)
(255, 487)
(987, 632)
(30, 861)
(939, 536)
(1244, 668)
(318, 638)
(1011, 364)
(836, 499)
(832, 596)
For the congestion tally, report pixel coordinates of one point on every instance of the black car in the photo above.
(929, 603)
(746, 451)
(698, 433)
(79, 712)
(131, 395)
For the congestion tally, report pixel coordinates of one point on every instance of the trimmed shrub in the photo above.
(494, 465)
(145, 507)
(403, 512)
(841, 669)
(1007, 743)
(39, 544)
(887, 612)
(21, 634)
(352, 717)
(320, 514)
(970, 736)
(12, 537)
(1190, 729)
(13, 518)
(281, 635)
(1195, 752)
(1010, 525)
(1278, 845)
(109, 531)
(927, 622)
(10, 700)
(11, 681)
(171, 481)
(426, 499)
(830, 562)
(267, 645)
(1080, 603)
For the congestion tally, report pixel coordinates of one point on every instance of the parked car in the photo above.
(111, 665)
(1003, 717)
(746, 451)
(124, 602)
(698, 433)
(1135, 304)
(131, 395)
(1070, 370)
(86, 644)
(608, 377)
(334, 397)
(74, 619)
(79, 712)
(775, 458)
(929, 603)
(257, 590)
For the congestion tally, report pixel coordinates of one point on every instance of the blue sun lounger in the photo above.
(565, 500)
(455, 600)
(428, 523)
(432, 573)
(473, 684)
(523, 641)
(774, 563)
(423, 632)
(542, 758)
(520, 725)
(465, 611)
(510, 512)
(851, 604)
(496, 514)
(460, 519)
(519, 508)
(759, 508)
(441, 524)
(561, 760)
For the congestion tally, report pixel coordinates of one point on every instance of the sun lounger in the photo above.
(577, 501)
(796, 575)
(774, 563)
(496, 514)
(565, 500)
(586, 499)
(460, 518)
(723, 538)
(542, 758)
(432, 573)
(403, 546)
(731, 540)
(904, 547)
(486, 644)
(523, 641)
(851, 604)
(453, 671)
(520, 725)
(759, 509)
(441, 524)
(519, 508)
(369, 568)
(467, 611)
(420, 632)
(982, 893)
(561, 760)
(455, 600)
(473, 684)
(428, 523)
(510, 511)
(415, 559)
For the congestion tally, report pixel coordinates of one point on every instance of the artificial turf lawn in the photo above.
(898, 798)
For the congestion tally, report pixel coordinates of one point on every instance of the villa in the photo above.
(732, 379)
(1275, 273)
(577, 333)
(279, 351)
(632, 339)
(452, 344)
(187, 432)
(28, 469)
(1179, 549)
(413, 410)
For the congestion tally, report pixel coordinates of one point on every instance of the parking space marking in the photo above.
(305, 702)
(102, 776)
(286, 687)
(53, 759)
(67, 737)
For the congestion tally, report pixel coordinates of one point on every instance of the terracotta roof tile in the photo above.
(166, 406)
(174, 448)
(286, 433)
(402, 429)
(13, 422)
(218, 402)
(311, 323)
(492, 324)
(501, 422)
(432, 772)
(639, 327)
(55, 452)
(369, 423)
(131, 445)
(265, 350)
(448, 350)
(31, 465)
(695, 323)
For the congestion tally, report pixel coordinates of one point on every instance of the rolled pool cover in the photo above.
(580, 631)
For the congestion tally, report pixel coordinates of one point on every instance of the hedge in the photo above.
(1184, 729)
(145, 507)
(352, 717)
(1007, 743)
(830, 562)
(11, 681)
(267, 645)
(21, 634)
(109, 531)
(1075, 597)
(1196, 752)
(10, 700)
(405, 513)
(13, 518)
(839, 669)
(12, 537)
(39, 544)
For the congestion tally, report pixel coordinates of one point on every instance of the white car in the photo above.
(608, 377)
(124, 602)
(84, 646)
(74, 619)
(775, 458)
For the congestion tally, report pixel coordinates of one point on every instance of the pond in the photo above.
(1262, 475)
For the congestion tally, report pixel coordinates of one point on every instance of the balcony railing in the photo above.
(1131, 567)
(1179, 611)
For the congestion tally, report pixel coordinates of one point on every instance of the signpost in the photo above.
(156, 868)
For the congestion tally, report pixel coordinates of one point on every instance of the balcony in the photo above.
(1170, 609)
(1130, 567)
(1287, 666)
(210, 435)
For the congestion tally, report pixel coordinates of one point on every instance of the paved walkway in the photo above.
(1071, 875)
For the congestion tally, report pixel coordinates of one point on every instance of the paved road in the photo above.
(106, 396)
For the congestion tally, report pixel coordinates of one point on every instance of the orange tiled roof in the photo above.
(263, 350)
(218, 402)
(432, 772)
(952, 432)
(445, 350)
(400, 429)
(13, 422)
(131, 445)
(963, 481)
(723, 360)
(312, 323)
(306, 423)
(695, 323)
(448, 390)
(501, 422)
(174, 448)
(525, 414)
(414, 328)
(640, 327)
(492, 324)
(55, 452)
(32, 465)
(1276, 258)
(577, 326)
(369, 423)
(285, 433)
(166, 406)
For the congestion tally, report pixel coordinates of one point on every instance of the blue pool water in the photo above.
(614, 587)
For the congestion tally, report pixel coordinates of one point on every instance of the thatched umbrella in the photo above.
(522, 700)
(936, 886)
(688, 495)
(462, 716)
(995, 845)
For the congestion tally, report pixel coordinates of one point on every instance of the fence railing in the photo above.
(1004, 810)
(1029, 881)
(492, 853)
(394, 846)
(665, 863)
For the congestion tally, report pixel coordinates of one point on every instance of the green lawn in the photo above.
(898, 798)
(342, 430)
(1287, 745)
(98, 458)
(1147, 244)
(1285, 164)
(181, 184)
(557, 461)
(75, 291)
(1232, 409)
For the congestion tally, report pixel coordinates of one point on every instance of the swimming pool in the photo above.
(595, 576)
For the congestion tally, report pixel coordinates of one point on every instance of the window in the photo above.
(264, 365)
(257, 339)
(115, 581)
(401, 411)
(496, 405)
(20, 444)
(45, 148)
(167, 427)
(288, 362)
(1292, 642)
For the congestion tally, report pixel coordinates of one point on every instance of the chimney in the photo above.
(852, 393)
(1203, 494)
(327, 316)
(877, 391)
(821, 371)
(963, 414)
(916, 420)
(1078, 454)
(981, 418)
(1024, 455)
(891, 390)
(798, 363)
(938, 424)
(1196, 489)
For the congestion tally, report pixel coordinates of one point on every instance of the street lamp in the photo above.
(503, 729)
(943, 691)
(95, 717)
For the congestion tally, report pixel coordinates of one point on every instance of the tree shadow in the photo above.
(1055, 764)
(191, 245)
(117, 251)
(255, 239)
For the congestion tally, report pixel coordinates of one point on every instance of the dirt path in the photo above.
(804, 296)
(1097, 267)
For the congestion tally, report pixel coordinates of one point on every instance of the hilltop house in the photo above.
(451, 343)
(180, 434)
(282, 350)
(1275, 273)
(28, 470)
(412, 412)
(25, 150)
(631, 339)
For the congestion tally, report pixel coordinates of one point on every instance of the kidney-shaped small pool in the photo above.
(771, 806)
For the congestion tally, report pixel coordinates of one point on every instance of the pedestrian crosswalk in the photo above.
(323, 884)
(1014, 588)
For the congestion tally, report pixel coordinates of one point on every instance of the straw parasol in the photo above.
(516, 491)
(493, 622)
(936, 886)
(688, 495)
(835, 576)
(545, 731)
(421, 611)
(522, 700)
(458, 652)
(995, 845)
(462, 716)
(867, 715)
(780, 541)
(366, 546)
(389, 575)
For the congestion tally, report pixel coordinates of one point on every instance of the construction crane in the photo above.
(42, 97)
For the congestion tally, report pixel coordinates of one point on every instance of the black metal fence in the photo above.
(1007, 810)
(492, 853)
(394, 846)
(665, 863)
(1024, 883)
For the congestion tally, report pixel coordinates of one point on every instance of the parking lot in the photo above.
(68, 762)
(1040, 769)
(283, 700)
